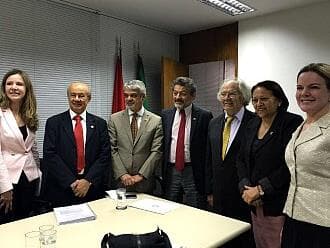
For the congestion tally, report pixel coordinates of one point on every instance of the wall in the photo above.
(276, 46)
(57, 44)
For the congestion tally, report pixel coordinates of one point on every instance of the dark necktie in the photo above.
(226, 135)
(179, 155)
(134, 126)
(79, 138)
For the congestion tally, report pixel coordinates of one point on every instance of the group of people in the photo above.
(268, 168)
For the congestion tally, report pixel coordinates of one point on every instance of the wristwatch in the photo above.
(261, 192)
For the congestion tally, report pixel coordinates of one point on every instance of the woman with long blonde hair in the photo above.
(19, 158)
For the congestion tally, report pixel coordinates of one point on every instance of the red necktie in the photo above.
(179, 156)
(79, 138)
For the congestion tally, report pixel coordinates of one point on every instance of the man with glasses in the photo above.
(76, 152)
(224, 137)
(185, 131)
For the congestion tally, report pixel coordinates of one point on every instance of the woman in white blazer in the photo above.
(19, 158)
(307, 156)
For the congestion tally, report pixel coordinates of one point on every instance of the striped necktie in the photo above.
(134, 126)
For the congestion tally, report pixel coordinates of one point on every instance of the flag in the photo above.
(118, 101)
(140, 76)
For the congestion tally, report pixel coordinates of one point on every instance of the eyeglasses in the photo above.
(230, 94)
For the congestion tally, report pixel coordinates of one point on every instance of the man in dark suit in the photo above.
(184, 163)
(75, 167)
(221, 175)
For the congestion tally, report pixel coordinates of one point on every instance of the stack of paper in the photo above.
(74, 214)
(156, 206)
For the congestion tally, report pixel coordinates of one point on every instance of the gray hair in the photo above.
(136, 85)
(186, 82)
(244, 90)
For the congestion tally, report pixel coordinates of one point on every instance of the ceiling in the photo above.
(180, 16)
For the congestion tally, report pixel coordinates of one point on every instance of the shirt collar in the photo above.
(238, 115)
(187, 110)
(82, 115)
(139, 113)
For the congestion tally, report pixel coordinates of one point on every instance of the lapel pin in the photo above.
(92, 126)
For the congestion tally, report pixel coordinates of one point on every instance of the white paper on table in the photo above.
(74, 214)
(156, 206)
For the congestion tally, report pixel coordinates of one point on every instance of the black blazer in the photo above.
(221, 175)
(200, 119)
(268, 167)
(59, 153)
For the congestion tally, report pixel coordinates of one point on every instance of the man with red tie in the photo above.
(76, 152)
(185, 132)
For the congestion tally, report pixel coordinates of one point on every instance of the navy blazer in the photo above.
(221, 175)
(200, 119)
(268, 167)
(59, 153)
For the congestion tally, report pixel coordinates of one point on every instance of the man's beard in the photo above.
(179, 105)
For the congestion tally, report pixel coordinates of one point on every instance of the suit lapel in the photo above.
(313, 131)
(194, 120)
(124, 119)
(67, 126)
(169, 123)
(144, 121)
(11, 123)
(273, 130)
(251, 133)
(219, 130)
(90, 127)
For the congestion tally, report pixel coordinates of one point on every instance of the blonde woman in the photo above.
(19, 159)
(307, 156)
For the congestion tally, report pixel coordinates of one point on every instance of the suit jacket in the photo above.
(200, 119)
(267, 167)
(16, 155)
(60, 158)
(141, 157)
(221, 175)
(308, 159)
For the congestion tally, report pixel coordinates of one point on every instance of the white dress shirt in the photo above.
(83, 122)
(138, 117)
(235, 124)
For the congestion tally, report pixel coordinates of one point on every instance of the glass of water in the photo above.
(48, 238)
(121, 202)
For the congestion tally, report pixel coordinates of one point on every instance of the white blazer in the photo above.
(16, 155)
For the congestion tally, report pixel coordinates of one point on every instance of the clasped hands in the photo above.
(129, 180)
(251, 195)
(80, 187)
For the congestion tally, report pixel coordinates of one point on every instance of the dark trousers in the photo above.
(299, 234)
(23, 197)
(180, 187)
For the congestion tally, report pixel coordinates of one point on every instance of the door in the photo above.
(171, 69)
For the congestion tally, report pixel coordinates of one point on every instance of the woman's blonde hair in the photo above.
(28, 108)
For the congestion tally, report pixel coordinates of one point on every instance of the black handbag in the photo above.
(156, 239)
